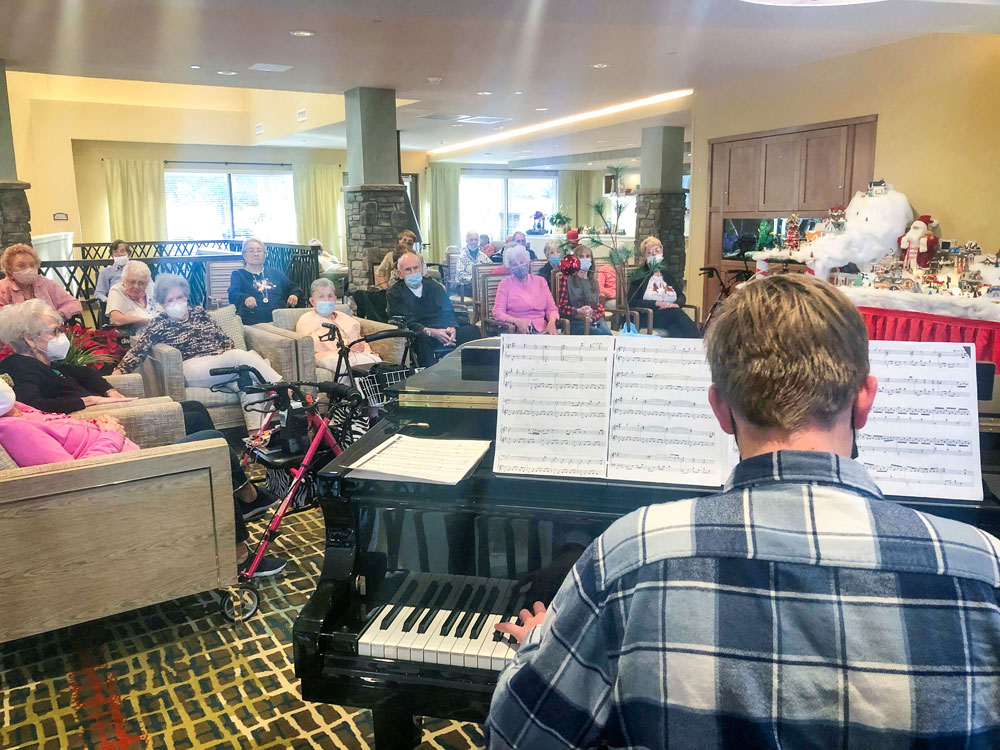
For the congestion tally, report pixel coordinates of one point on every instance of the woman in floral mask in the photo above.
(523, 300)
(653, 287)
(20, 266)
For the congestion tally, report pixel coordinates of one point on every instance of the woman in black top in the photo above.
(653, 287)
(257, 291)
(42, 380)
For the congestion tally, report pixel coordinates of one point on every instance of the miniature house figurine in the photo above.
(877, 187)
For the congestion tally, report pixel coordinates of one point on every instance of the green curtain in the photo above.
(441, 218)
(578, 191)
(319, 205)
(137, 199)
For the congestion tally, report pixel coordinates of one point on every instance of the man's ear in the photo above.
(721, 410)
(863, 401)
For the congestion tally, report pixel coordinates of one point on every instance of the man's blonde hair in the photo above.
(788, 352)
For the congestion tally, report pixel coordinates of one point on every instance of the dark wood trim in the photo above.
(790, 130)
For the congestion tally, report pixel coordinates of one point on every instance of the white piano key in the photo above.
(373, 640)
(478, 655)
(425, 646)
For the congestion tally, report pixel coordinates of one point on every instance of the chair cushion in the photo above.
(230, 322)
(6, 462)
(287, 317)
(211, 398)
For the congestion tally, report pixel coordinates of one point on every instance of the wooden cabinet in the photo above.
(780, 157)
(824, 169)
(742, 160)
(861, 159)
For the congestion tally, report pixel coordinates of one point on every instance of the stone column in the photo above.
(660, 213)
(376, 214)
(15, 216)
(8, 169)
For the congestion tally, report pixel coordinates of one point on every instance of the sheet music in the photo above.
(552, 414)
(402, 457)
(662, 427)
(922, 436)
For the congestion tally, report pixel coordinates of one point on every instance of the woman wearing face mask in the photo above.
(20, 265)
(653, 287)
(130, 301)
(111, 275)
(323, 298)
(553, 254)
(522, 299)
(257, 291)
(42, 380)
(579, 296)
(202, 343)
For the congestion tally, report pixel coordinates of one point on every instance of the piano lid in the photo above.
(441, 386)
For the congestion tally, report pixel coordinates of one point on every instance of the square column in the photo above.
(659, 205)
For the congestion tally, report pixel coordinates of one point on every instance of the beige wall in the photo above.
(938, 105)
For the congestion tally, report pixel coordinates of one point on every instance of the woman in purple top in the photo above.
(524, 300)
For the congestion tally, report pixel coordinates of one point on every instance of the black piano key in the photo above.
(484, 613)
(508, 611)
(425, 601)
(398, 606)
(466, 593)
(472, 612)
(428, 618)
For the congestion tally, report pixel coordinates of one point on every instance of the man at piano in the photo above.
(797, 608)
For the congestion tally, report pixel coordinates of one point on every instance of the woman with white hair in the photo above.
(323, 298)
(130, 301)
(524, 300)
(202, 343)
(257, 291)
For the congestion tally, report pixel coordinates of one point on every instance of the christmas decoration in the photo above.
(765, 235)
(792, 233)
(569, 265)
(918, 245)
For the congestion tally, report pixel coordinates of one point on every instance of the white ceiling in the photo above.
(543, 48)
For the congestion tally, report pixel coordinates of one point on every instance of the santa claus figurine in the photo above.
(918, 245)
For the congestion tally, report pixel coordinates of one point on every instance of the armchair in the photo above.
(225, 408)
(86, 539)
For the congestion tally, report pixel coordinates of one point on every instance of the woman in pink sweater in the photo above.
(20, 266)
(522, 299)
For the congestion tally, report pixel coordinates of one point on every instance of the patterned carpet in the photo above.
(177, 675)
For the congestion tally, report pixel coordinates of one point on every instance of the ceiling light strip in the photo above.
(549, 124)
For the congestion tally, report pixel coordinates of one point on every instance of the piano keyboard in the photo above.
(446, 620)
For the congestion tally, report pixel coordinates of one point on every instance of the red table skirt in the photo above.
(902, 325)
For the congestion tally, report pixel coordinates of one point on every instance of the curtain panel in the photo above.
(319, 205)
(578, 191)
(441, 221)
(137, 199)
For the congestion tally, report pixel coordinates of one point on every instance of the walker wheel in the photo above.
(240, 603)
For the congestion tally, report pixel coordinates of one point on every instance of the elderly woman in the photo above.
(42, 380)
(257, 291)
(579, 295)
(653, 287)
(553, 254)
(111, 275)
(202, 343)
(130, 301)
(522, 299)
(323, 298)
(20, 265)
(33, 438)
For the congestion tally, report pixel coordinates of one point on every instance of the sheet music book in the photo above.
(636, 408)
(402, 458)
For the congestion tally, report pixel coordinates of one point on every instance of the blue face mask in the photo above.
(554, 260)
(520, 272)
(325, 307)
(414, 280)
(585, 264)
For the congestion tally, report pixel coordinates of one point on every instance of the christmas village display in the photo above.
(884, 257)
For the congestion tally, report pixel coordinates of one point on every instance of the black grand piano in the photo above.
(415, 574)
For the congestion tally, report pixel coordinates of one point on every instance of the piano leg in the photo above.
(395, 729)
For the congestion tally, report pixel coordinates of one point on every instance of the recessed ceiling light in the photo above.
(226, 72)
(456, 124)
(634, 159)
(498, 127)
(808, 3)
(195, 67)
(600, 66)
(601, 140)
(541, 109)
(561, 121)
(590, 163)
(518, 93)
(484, 93)
(434, 80)
(302, 32)
(270, 68)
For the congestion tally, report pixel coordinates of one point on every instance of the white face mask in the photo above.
(177, 310)
(7, 398)
(655, 260)
(120, 260)
(58, 347)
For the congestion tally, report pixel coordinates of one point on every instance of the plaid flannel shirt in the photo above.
(796, 609)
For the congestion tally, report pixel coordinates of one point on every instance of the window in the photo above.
(209, 204)
(499, 205)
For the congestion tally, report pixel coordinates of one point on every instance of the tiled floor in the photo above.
(178, 676)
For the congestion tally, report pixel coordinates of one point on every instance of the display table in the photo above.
(903, 325)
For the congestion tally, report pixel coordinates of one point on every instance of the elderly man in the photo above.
(797, 608)
(521, 239)
(130, 301)
(111, 275)
(425, 308)
(468, 258)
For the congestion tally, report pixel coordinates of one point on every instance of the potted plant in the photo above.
(560, 220)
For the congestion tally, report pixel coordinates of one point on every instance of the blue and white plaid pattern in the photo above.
(796, 609)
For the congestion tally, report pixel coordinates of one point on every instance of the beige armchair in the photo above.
(86, 539)
(225, 408)
(390, 350)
